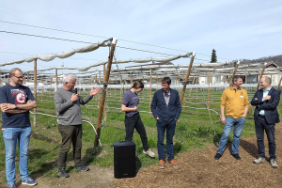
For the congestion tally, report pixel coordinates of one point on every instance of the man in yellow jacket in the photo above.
(235, 101)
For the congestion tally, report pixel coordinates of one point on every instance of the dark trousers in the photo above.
(170, 130)
(262, 125)
(71, 134)
(135, 122)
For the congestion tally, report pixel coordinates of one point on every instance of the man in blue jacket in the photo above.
(166, 109)
(266, 101)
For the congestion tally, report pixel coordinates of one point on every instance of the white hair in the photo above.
(67, 78)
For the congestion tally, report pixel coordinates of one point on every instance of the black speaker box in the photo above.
(124, 159)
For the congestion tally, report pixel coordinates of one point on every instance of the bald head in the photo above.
(265, 82)
(267, 79)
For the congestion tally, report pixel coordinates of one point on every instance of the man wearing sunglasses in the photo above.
(16, 100)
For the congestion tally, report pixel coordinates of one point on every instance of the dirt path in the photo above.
(197, 169)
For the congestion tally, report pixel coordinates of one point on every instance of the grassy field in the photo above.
(196, 128)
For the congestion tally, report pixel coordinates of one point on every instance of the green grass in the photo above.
(194, 130)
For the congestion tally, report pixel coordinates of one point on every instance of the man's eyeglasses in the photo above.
(20, 77)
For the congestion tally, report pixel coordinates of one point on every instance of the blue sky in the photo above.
(235, 29)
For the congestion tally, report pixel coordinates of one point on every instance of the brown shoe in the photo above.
(161, 163)
(174, 163)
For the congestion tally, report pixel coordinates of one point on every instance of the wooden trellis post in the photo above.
(27, 77)
(260, 76)
(98, 95)
(35, 92)
(103, 99)
(131, 81)
(186, 79)
(278, 87)
(234, 72)
(157, 82)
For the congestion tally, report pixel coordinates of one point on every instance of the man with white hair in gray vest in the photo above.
(67, 103)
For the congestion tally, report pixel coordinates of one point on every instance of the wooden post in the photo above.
(234, 72)
(131, 81)
(0, 78)
(103, 99)
(27, 77)
(105, 103)
(261, 74)
(150, 92)
(278, 87)
(187, 77)
(35, 91)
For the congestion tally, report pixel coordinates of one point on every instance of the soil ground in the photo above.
(196, 169)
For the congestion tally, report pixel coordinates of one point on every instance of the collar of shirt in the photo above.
(166, 94)
(232, 88)
(267, 90)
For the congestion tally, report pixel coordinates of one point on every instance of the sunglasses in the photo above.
(20, 77)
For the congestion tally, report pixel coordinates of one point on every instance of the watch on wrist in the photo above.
(16, 106)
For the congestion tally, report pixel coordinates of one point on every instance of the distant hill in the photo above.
(277, 59)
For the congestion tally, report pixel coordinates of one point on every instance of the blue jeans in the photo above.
(262, 125)
(238, 127)
(170, 129)
(11, 136)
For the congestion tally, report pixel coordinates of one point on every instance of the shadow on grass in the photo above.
(43, 138)
(216, 139)
(91, 154)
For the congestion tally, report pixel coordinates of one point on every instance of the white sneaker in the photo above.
(259, 160)
(149, 152)
(273, 163)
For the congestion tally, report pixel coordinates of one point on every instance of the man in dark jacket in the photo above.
(266, 101)
(166, 109)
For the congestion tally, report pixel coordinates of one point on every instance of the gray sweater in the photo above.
(68, 112)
